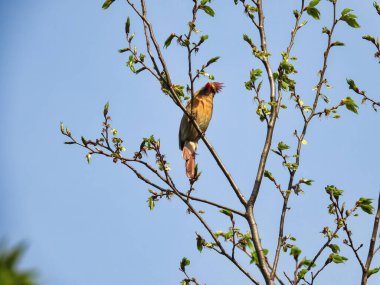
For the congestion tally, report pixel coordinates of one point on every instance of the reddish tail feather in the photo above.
(189, 158)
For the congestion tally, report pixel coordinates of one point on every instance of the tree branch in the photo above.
(177, 101)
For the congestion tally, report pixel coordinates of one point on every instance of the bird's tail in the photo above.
(188, 154)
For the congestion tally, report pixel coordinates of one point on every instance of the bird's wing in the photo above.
(183, 129)
(187, 132)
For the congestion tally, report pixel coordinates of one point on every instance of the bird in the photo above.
(200, 107)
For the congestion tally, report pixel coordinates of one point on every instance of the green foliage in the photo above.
(247, 39)
(314, 12)
(352, 85)
(306, 181)
(301, 274)
(88, 157)
(295, 252)
(127, 26)
(334, 248)
(377, 7)
(332, 190)
(178, 90)
(151, 203)
(369, 38)
(307, 263)
(107, 3)
(336, 258)
(350, 104)
(337, 43)
(268, 175)
(314, 3)
(349, 18)
(9, 272)
(282, 146)
(208, 10)
(373, 271)
(255, 258)
(366, 205)
(169, 40)
(212, 60)
(226, 212)
(253, 76)
(200, 242)
(184, 262)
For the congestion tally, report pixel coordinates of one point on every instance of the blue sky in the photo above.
(90, 224)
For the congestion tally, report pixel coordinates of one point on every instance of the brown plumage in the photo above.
(201, 107)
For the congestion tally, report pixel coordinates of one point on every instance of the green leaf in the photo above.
(105, 110)
(301, 274)
(331, 189)
(350, 104)
(377, 7)
(325, 30)
(203, 38)
(151, 203)
(314, 12)
(208, 10)
(282, 146)
(346, 11)
(212, 60)
(184, 262)
(204, 2)
(369, 38)
(334, 248)
(199, 243)
(127, 26)
(337, 258)
(366, 205)
(88, 157)
(373, 271)
(169, 40)
(307, 263)
(306, 181)
(337, 43)
(351, 84)
(350, 19)
(268, 175)
(314, 3)
(226, 212)
(255, 258)
(132, 68)
(84, 141)
(62, 128)
(209, 76)
(107, 3)
(247, 39)
(123, 50)
(131, 37)
(295, 251)
(140, 69)
(255, 74)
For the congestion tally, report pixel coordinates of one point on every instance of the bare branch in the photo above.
(371, 250)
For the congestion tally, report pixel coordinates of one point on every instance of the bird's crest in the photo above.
(213, 87)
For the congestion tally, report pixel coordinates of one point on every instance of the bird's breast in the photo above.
(204, 113)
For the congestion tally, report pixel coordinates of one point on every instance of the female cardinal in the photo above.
(201, 108)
